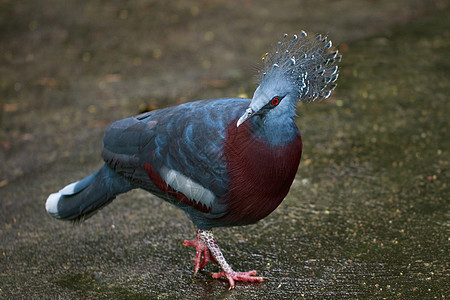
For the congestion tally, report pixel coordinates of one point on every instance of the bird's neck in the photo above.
(275, 131)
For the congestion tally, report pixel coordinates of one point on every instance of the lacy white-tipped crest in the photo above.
(309, 63)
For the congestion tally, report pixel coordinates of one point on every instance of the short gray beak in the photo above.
(247, 115)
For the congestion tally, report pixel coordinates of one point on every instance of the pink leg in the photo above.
(207, 237)
(201, 250)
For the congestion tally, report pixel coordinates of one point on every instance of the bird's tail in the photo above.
(82, 199)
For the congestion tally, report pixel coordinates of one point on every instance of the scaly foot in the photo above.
(207, 237)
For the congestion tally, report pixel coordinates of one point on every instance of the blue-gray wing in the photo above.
(181, 145)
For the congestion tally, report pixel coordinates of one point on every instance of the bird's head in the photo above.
(299, 69)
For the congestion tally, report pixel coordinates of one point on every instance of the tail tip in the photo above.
(52, 201)
(52, 204)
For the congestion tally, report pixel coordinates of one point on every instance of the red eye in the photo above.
(275, 101)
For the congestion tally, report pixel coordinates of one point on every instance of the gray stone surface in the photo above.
(367, 216)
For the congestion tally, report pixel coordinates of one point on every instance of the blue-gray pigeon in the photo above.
(225, 162)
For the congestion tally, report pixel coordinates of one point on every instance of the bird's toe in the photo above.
(202, 254)
(238, 276)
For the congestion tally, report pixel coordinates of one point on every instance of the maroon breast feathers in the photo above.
(260, 174)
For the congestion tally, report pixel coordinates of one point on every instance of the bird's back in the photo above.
(182, 146)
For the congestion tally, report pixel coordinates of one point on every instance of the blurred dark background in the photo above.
(367, 215)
